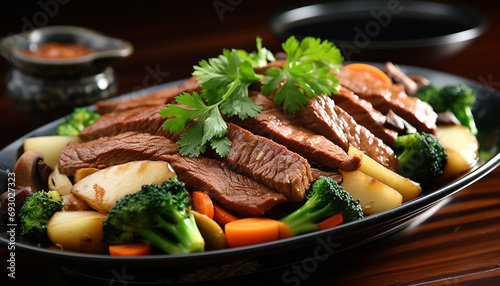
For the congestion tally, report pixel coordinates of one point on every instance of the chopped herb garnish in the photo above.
(225, 81)
(305, 74)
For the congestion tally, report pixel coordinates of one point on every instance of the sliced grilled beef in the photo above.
(235, 192)
(362, 139)
(109, 151)
(363, 112)
(272, 123)
(334, 175)
(390, 97)
(160, 97)
(268, 163)
(322, 115)
(232, 191)
(144, 119)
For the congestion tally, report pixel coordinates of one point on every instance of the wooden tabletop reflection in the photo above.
(457, 243)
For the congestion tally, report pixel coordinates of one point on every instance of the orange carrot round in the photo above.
(284, 229)
(130, 249)
(250, 231)
(203, 204)
(222, 216)
(332, 221)
(371, 70)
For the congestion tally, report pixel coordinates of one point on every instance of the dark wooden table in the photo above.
(458, 244)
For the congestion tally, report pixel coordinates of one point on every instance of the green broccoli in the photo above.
(421, 157)
(77, 121)
(325, 199)
(158, 215)
(455, 98)
(36, 212)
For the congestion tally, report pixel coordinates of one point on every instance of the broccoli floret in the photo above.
(455, 98)
(157, 215)
(429, 94)
(36, 212)
(77, 121)
(325, 199)
(460, 98)
(421, 157)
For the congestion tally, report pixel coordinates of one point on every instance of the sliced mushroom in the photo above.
(31, 171)
(13, 199)
(447, 118)
(59, 182)
(419, 80)
(398, 76)
(396, 122)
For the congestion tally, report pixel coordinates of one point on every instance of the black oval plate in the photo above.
(240, 262)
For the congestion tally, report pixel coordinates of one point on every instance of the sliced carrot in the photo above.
(332, 221)
(130, 249)
(250, 231)
(285, 231)
(222, 216)
(203, 204)
(371, 70)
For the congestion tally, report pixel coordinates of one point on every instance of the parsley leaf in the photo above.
(259, 58)
(208, 123)
(306, 72)
(224, 81)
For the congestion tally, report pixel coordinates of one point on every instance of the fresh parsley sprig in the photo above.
(225, 81)
(305, 74)
(259, 58)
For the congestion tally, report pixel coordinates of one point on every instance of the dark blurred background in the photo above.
(167, 34)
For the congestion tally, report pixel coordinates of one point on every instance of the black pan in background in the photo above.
(284, 255)
(405, 32)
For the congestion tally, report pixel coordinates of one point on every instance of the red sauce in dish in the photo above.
(54, 50)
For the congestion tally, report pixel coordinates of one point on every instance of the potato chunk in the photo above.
(406, 187)
(102, 189)
(462, 148)
(373, 195)
(49, 146)
(79, 231)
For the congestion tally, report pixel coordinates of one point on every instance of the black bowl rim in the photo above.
(12, 45)
(477, 20)
(395, 216)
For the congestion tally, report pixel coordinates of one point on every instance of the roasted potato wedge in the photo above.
(406, 187)
(102, 189)
(79, 231)
(374, 196)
